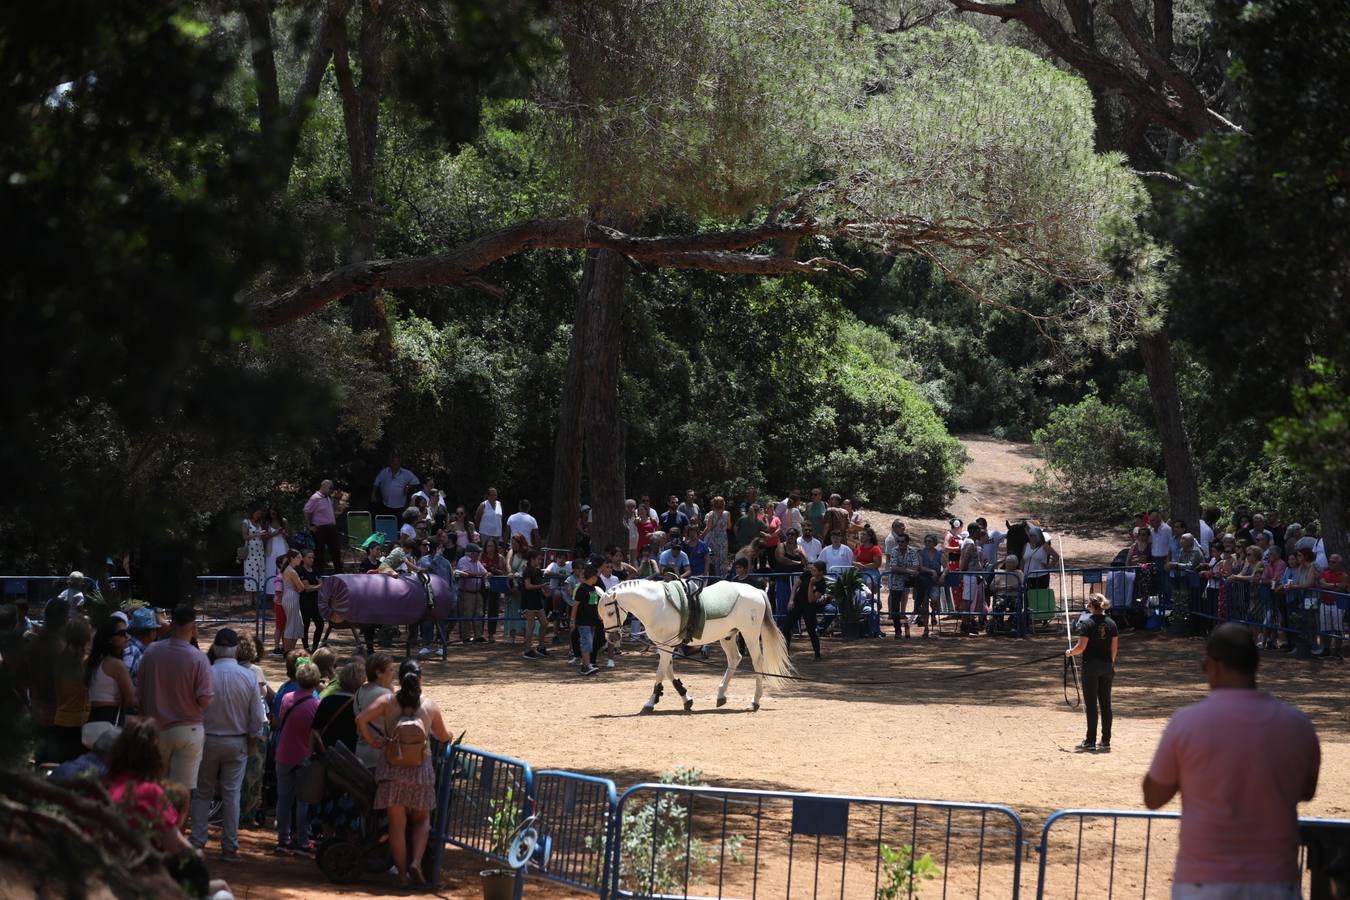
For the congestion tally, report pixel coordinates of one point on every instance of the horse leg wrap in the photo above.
(656, 694)
(679, 687)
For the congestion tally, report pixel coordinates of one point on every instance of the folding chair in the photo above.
(387, 526)
(359, 528)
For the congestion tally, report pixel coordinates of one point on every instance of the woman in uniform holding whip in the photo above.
(1098, 643)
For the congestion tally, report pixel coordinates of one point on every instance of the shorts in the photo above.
(586, 636)
(531, 601)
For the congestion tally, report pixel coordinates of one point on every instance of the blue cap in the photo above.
(143, 619)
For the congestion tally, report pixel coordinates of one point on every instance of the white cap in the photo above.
(123, 616)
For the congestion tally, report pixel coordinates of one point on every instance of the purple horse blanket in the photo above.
(382, 599)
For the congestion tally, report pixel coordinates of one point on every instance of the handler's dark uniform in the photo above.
(1098, 671)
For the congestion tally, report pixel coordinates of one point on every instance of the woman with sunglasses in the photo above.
(111, 693)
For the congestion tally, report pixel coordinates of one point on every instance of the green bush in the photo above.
(1101, 462)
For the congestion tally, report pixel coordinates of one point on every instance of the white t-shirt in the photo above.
(433, 509)
(989, 549)
(790, 519)
(524, 524)
(491, 526)
(1036, 560)
(392, 486)
(407, 530)
(1206, 537)
(810, 549)
(840, 558)
(1162, 540)
(609, 581)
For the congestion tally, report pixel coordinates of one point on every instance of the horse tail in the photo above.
(773, 644)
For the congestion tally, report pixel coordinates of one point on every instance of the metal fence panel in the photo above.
(475, 790)
(673, 840)
(1098, 853)
(576, 813)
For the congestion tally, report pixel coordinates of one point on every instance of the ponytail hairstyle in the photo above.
(409, 694)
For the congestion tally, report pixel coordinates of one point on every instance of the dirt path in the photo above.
(994, 485)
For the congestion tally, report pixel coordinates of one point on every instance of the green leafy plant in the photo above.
(844, 592)
(501, 822)
(903, 872)
(655, 842)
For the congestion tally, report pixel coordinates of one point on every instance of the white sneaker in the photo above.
(425, 651)
(610, 664)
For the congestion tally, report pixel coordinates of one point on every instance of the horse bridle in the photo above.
(612, 599)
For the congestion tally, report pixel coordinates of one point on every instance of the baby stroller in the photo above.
(352, 854)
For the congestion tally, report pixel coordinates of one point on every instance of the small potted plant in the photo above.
(843, 593)
(499, 883)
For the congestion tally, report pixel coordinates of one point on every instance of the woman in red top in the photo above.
(868, 559)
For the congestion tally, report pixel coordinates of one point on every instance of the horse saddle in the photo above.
(687, 597)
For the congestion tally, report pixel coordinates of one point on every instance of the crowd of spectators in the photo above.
(184, 738)
(907, 578)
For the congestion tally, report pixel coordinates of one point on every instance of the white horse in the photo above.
(751, 617)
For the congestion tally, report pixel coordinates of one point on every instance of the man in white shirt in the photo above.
(525, 525)
(74, 592)
(989, 546)
(488, 516)
(435, 500)
(837, 556)
(392, 488)
(1206, 536)
(1160, 551)
(809, 545)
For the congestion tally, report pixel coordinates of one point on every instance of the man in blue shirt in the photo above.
(698, 557)
(672, 519)
(674, 558)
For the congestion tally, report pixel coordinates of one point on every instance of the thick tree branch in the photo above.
(461, 265)
(1096, 67)
(302, 104)
(1157, 61)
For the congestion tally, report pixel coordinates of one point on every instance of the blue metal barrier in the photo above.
(1118, 853)
(674, 840)
(1126, 852)
(480, 799)
(576, 813)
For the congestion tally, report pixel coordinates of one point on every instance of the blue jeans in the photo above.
(285, 798)
(586, 635)
(224, 760)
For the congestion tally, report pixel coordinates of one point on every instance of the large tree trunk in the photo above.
(361, 122)
(605, 463)
(1183, 488)
(588, 416)
(562, 527)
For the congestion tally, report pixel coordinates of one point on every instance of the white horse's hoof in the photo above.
(754, 707)
(721, 701)
(688, 705)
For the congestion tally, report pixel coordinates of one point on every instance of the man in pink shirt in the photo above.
(1242, 761)
(322, 524)
(174, 688)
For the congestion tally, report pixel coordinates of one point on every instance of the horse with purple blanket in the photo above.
(374, 599)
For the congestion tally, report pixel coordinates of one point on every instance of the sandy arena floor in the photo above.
(1000, 737)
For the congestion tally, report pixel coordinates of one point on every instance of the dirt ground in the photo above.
(1000, 735)
(960, 719)
(994, 485)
